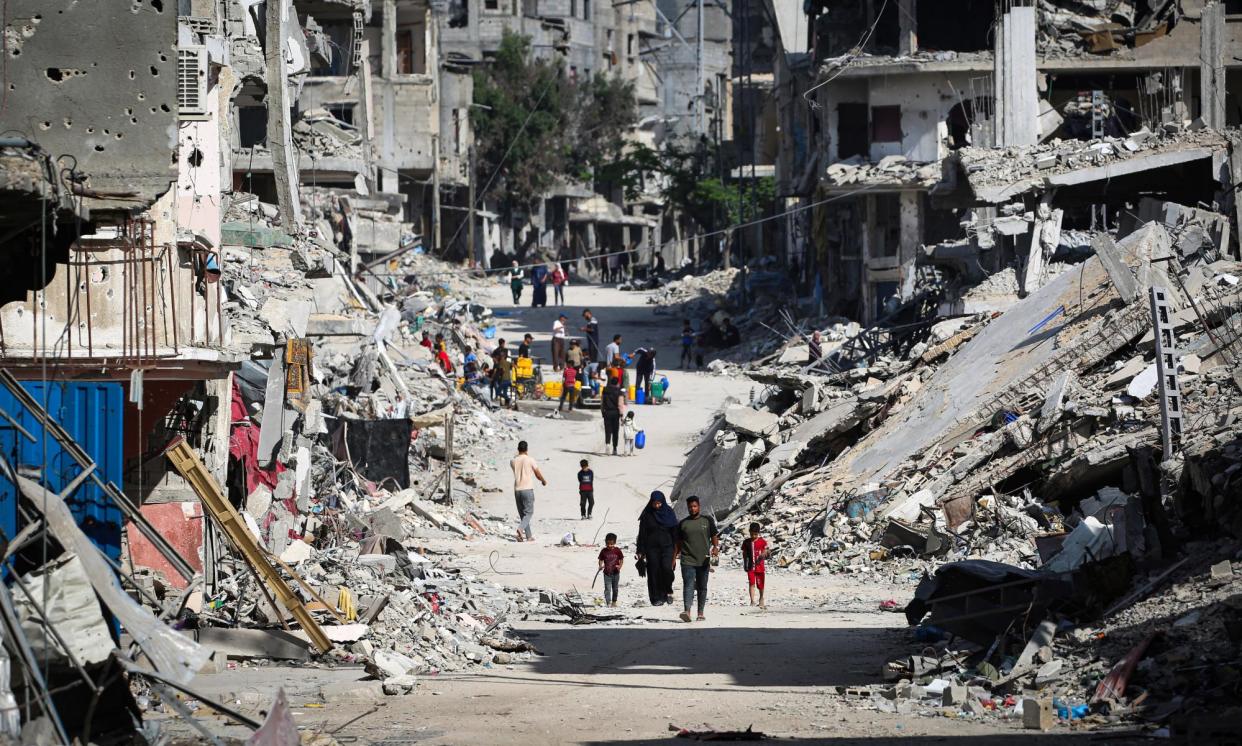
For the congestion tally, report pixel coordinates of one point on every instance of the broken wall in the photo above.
(97, 85)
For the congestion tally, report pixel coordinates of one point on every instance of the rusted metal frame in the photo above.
(172, 296)
(90, 320)
(124, 307)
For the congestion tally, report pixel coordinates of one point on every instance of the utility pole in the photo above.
(435, 195)
(698, 71)
(474, 250)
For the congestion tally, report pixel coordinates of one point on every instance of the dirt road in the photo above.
(773, 670)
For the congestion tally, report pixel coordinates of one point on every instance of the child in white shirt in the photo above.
(628, 431)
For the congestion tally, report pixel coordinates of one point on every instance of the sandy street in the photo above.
(774, 670)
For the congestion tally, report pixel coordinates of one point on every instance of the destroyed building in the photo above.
(887, 96)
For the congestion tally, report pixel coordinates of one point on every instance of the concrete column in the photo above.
(388, 40)
(911, 239)
(1212, 43)
(279, 124)
(907, 27)
(1014, 80)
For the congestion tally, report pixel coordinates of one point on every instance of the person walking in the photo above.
(687, 345)
(558, 342)
(515, 282)
(611, 406)
(657, 535)
(525, 472)
(611, 559)
(698, 542)
(559, 281)
(586, 489)
(591, 329)
(539, 286)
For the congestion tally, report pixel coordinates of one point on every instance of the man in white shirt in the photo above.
(558, 342)
(525, 472)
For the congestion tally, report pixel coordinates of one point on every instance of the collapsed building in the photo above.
(1021, 398)
(884, 96)
(218, 440)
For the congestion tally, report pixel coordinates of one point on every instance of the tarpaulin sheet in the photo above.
(377, 449)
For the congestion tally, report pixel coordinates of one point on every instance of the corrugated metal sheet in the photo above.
(92, 412)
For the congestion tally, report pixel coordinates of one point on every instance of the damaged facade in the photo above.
(883, 117)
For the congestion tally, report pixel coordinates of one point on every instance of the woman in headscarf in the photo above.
(657, 531)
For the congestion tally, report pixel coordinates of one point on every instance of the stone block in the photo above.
(1037, 714)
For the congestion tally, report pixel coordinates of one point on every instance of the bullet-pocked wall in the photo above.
(96, 81)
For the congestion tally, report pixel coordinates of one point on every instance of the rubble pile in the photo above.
(892, 169)
(1015, 165)
(1010, 465)
(697, 293)
(318, 134)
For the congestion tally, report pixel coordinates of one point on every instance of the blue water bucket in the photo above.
(640, 439)
(640, 396)
(664, 381)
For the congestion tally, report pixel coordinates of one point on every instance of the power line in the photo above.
(675, 242)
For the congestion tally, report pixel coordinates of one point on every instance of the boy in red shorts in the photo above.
(754, 552)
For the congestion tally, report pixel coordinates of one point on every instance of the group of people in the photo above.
(541, 275)
(664, 542)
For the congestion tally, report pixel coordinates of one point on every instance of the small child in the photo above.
(586, 489)
(611, 558)
(629, 430)
(754, 552)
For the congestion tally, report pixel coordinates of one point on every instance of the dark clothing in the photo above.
(524, 350)
(592, 334)
(732, 337)
(539, 286)
(612, 558)
(694, 577)
(586, 480)
(586, 503)
(612, 431)
(644, 382)
(610, 400)
(695, 537)
(656, 536)
(610, 407)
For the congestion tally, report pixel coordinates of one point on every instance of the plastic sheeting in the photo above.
(173, 655)
(72, 610)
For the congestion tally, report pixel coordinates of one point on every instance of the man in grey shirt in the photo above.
(525, 472)
(613, 350)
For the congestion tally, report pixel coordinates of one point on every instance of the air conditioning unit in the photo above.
(192, 83)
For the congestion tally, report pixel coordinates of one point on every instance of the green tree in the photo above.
(535, 125)
(520, 123)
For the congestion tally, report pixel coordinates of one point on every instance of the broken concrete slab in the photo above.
(1142, 385)
(254, 643)
(1118, 271)
(754, 422)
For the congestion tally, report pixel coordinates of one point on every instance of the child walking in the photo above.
(586, 489)
(754, 552)
(628, 430)
(611, 558)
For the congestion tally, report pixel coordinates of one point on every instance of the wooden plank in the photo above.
(187, 463)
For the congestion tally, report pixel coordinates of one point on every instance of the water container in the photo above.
(664, 383)
(657, 392)
(641, 398)
(631, 393)
(640, 439)
(552, 389)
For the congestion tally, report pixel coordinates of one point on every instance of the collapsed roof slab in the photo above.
(985, 178)
(1072, 319)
